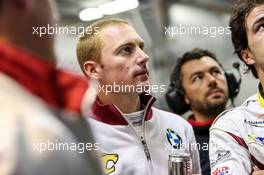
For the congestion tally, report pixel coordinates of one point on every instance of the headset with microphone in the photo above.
(175, 96)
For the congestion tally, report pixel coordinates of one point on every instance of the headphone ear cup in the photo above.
(233, 84)
(175, 100)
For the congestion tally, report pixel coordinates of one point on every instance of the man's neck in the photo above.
(198, 117)
(127, 103)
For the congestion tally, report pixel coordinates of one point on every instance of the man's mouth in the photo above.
(215, 92)
(142, 72)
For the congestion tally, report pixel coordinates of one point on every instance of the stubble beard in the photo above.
(210, 109)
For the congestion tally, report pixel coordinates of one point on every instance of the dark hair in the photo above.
(237, 23)
(195, 54)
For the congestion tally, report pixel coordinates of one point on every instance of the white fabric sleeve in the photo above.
(226, 155)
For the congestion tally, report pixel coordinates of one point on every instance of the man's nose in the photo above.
(142, 57)
(211, 80)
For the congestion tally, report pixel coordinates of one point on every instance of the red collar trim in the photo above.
(56, 87)
(110, 114)
(194, 123)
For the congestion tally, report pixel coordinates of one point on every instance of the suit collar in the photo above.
(110, 114)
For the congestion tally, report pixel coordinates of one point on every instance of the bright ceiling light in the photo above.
(109, 8)
(118, 6)
(90, 14)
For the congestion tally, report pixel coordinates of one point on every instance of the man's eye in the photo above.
(126, 50)
(197, 78)
(216, 72)
(141, 47)
(260, 27)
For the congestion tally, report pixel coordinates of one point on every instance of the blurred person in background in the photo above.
(236, 136)
(135, 138)
(40, 105)
(198, 83)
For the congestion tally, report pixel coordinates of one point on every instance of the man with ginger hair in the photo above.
(135, 138)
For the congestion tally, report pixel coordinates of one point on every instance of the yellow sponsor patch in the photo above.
(109, 161)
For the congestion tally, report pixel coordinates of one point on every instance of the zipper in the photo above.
(143, 143)
(146, 150)
(142, 140)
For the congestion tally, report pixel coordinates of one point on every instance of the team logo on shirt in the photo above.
(109, 161)
(221, 157)
(225, 170)
(255, 139)
(256, 123)
(174, 139)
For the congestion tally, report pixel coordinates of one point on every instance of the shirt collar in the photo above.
(111, 115)
(194, 123)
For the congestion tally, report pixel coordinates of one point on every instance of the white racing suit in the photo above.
(237, 139)
(124, 153)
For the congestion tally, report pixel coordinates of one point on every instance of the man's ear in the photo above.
(92, 69)
(247, 56)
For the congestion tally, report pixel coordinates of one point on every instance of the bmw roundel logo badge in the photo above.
(174, 139)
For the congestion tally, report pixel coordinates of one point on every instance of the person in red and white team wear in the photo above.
(135, 138)
(236, 136)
